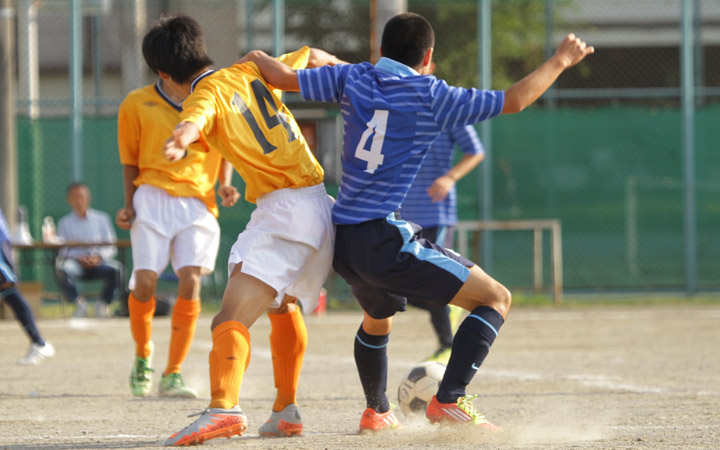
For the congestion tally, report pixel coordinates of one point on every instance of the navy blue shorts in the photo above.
(385, 261)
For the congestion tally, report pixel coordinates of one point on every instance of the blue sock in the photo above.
(372, 364)
(470, 347)
(22, 313)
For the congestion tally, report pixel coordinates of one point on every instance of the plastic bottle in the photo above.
(48, 231)
(22, 230)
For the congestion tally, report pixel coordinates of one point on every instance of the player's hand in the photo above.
(440, 188)
(89, 261)
(249, 56)
(572, 50)
(319, 58)
(124, 218)
(229, 195)
(183, 135)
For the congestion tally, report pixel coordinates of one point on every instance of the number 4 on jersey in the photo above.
(376, 127)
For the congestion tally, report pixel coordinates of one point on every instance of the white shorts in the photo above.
(288, 243)
(179, 230)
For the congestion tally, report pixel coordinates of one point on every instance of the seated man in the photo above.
(86, 225)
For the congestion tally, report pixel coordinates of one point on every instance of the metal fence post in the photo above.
(484, 9)
(76, 93)
(688, 127)
(8, 157)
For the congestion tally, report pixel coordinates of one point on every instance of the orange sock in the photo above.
(184, 320)
(229, 357)
(141, 314)
(288, 341)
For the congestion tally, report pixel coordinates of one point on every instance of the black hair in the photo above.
(75, 185)
(406, 38)
(176, 46)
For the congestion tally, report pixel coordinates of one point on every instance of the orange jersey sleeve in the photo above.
(145, 120)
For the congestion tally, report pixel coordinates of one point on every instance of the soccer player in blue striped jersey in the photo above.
(393, 111)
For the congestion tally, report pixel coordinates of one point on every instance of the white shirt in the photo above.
(94, 227)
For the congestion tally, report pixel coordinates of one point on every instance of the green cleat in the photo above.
(172, 385)
(457, 314)
(140, 381)
(441, 355)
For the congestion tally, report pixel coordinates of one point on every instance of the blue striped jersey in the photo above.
(4, 229)
(391, 117)
(418, 207)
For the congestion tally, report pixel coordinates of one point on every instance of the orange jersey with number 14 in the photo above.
(246, 122)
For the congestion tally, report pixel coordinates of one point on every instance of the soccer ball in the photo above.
(418, 387)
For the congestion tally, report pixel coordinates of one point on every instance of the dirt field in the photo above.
(581, 378)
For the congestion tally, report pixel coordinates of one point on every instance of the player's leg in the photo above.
(67, 272)
(439, 314)
(288, 342)
(416, 267)
(244, 300)
(183, 323)
(370, 351)
(308, 252)
(488, 302)
(194, 251)
(288, 245)
(39, 349)
(141, 310)
(151, 253)
(108, 273)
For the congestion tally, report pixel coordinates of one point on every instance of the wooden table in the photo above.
(50, 252)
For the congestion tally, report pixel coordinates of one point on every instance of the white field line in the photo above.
(665, 427)
(352, 319)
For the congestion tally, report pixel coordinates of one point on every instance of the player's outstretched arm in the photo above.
(273, 71)
(184, 134)
(522, 94)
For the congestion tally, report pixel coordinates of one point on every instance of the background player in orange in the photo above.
(282, 256)
(170, 209)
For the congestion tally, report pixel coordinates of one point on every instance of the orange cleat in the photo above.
(212, 423)
(372, 421)
(461, 412)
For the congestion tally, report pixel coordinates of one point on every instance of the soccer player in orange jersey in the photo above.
(170, 209)
(284, 254)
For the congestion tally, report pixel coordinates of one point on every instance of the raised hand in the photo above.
(572, 50)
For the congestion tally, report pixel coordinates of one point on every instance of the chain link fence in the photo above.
(603, 151)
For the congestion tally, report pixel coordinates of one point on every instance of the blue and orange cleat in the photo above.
(285, 423)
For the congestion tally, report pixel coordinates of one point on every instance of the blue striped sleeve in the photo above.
(323, 84)
(455, 107)
(467, 139)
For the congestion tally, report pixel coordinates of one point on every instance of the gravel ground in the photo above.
(645, 377)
